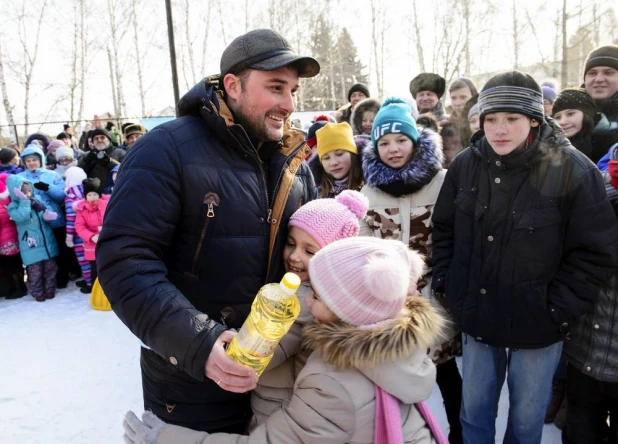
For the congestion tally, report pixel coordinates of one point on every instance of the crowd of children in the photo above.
(51, 211)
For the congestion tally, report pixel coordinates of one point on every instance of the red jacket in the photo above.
(89, 222)
(9, 245)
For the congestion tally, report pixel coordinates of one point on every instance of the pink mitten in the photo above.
(50, 215)
(19, 194)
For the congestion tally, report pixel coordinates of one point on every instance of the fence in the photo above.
(17, 133)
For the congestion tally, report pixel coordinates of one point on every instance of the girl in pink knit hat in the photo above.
(368, 372)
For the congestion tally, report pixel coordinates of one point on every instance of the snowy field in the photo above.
(69, 373)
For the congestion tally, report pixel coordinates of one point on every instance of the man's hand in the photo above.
(227, 373)
(138, 432)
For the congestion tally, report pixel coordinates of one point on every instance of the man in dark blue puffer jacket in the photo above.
(197, 224)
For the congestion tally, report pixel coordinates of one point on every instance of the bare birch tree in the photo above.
(378, 31)
(138, 57)
(417, 33)
(24, 69)
(84, 57)
(8, 108)
(118, 27)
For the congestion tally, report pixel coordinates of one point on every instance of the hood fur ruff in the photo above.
(419, 326)
(356, 120)
(417, 173)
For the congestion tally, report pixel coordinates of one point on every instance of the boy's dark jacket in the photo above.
(185, 244)
(521, 268)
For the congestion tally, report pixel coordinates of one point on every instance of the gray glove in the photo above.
(138, 432)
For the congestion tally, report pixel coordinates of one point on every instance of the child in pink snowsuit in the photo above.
(89, 221)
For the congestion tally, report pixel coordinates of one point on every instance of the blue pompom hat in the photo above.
(394, 116)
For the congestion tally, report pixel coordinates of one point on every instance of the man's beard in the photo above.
(103, 147)
(256, 129)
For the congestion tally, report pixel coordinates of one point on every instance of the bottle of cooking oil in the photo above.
(273, 312)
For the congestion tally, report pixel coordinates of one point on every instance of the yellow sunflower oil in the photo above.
(273, 312)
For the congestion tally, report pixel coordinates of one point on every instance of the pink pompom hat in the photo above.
(328, 220)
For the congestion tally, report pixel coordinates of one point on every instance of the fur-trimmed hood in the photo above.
(417, 328)
(356, 120)
(418, 172)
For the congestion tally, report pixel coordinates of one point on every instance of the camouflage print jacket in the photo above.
(407, 217)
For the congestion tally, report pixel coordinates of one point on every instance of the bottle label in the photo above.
(255, 344)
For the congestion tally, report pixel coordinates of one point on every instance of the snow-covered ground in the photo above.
(68, 374)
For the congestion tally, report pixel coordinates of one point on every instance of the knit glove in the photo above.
(69, 241)
(138, 432)
(50, 215)
(41, 186)
(36, 205)
(19, 194)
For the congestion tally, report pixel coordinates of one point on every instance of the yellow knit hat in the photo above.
(335, 136)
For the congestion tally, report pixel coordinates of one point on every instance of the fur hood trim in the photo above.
(417, 173)
(356, 120)
(419, 326)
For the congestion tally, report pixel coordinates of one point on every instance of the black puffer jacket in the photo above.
(185, 245)
(592, 346)
(523, 242)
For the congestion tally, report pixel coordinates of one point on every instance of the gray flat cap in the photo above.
(265, 50)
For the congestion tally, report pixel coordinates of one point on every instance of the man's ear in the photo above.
(534, 123)
(232, 86)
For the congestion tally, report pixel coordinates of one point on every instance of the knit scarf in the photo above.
(338, 186)
(413, 176)
(388, 428)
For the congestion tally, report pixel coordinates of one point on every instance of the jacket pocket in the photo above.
(537, 218)
(211, 200)
(469, 205)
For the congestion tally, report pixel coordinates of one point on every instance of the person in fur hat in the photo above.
(427, 89)
(517, 255)
(89, 222)
(363, 116)
(74, 190)
(336, 166)
(403, 176)
(368, 372)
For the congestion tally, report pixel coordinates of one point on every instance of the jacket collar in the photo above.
(344, 346)
(206, 100)
(418, 172)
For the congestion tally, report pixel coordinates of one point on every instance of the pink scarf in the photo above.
(388, 429)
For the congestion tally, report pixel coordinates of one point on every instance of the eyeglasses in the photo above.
(64, 161)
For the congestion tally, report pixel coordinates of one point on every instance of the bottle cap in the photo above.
(290, 282)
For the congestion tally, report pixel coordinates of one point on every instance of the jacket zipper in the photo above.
(43, 234)
(212, 200)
